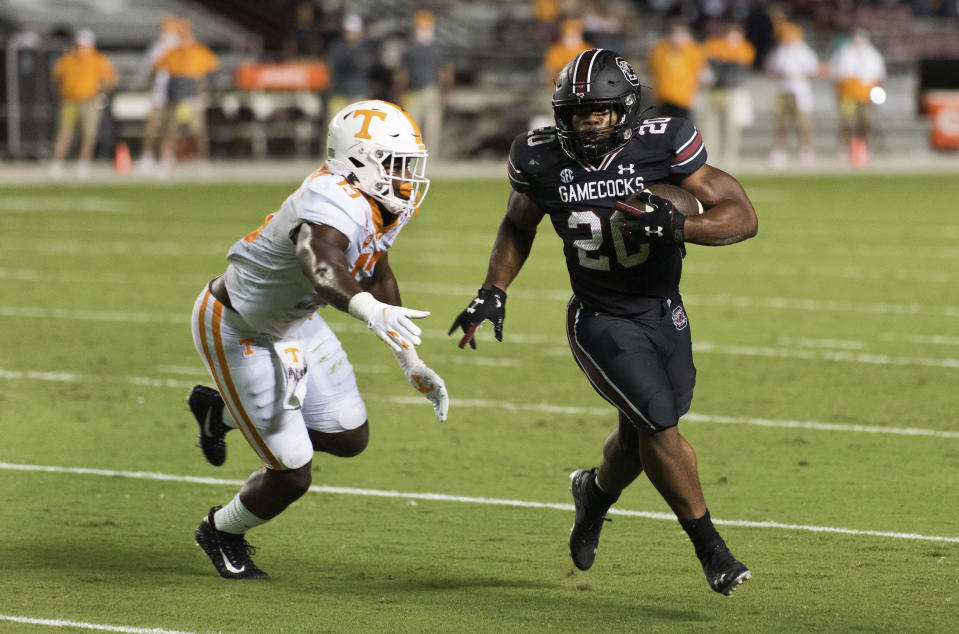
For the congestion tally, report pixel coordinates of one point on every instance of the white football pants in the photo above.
(249, 376)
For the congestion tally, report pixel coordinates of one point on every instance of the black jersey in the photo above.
(604, 273)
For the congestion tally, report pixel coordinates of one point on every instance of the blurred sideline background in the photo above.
(265, 104)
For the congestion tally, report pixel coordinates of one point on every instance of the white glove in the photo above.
(390, 323)
(426, 381)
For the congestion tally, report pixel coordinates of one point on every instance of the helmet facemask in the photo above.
(379, 148)
(594, 143)
(396, 180)
(596, 80)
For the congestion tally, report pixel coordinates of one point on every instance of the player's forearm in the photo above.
(327, 270)
(509, 253)
(726, 223)
(333, 283)
(384, 288)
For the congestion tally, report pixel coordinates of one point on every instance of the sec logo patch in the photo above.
(679, 318)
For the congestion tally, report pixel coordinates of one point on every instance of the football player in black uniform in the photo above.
(626, 323)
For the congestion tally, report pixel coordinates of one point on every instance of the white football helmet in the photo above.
(379, 148)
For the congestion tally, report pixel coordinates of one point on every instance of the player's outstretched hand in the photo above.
(488, 305)
(392, 324)
(650, 218)
(426, 381)
(429, 384)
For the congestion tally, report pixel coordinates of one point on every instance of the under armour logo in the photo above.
(654, 233)
(625, 169)
(474, 305)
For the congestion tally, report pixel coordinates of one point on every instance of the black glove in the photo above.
(663, 225)
(489, 304)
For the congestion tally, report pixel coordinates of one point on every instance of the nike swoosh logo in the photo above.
(206, 423)
(229, 566)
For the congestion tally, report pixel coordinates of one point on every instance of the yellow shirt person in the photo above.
(188, 65)
(569, 45)
(731, 48)
(675, 64)
(730, 57)
(193, 60)
(80, 75)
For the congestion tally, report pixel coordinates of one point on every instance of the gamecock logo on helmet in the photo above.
(628, 71)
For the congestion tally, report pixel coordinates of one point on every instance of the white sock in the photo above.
(236, 518)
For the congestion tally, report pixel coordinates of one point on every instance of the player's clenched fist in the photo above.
(488, 305)
(650, 218)
(390, 323)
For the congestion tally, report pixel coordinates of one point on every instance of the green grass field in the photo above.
(824, 420)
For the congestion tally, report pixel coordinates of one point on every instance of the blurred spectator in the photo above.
(675, 65)
(562, 51)
(82, 75)
(306, 38)
(351, 60)
(858, 68)
(330, 22)
(730, 58)
(780, 21)
(545, 21)
(557, 55)
(711, 15)
(758, 27)
(794, 64)
(424, 78)
(189, 64)
(604, 23)
(388, 42)
(167, 39)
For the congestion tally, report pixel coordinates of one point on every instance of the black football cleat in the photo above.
(590, 517)
(229, 553)
(207, 407)
(724, 572)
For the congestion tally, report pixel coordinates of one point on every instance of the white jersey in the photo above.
(861, 61)
(795, 64)
(266, 285)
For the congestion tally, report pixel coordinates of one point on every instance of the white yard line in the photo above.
(862, 358)
(35, 204)
(930, 340)
(546, 408)
(702, 347)
(442, 497)
(692, 268)
(691, 417)
(87, 626)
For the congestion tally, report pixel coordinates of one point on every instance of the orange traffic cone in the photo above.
(121, 158)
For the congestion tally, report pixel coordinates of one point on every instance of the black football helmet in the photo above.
(595, 80)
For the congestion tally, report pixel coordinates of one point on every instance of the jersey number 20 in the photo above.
(590, 250)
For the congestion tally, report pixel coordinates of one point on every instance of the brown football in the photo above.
(683, 201)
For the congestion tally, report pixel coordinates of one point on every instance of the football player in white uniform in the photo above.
(282, 376)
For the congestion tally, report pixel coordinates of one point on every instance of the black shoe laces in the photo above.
(237, 548)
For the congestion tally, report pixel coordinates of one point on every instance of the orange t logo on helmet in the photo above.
(364, 132)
